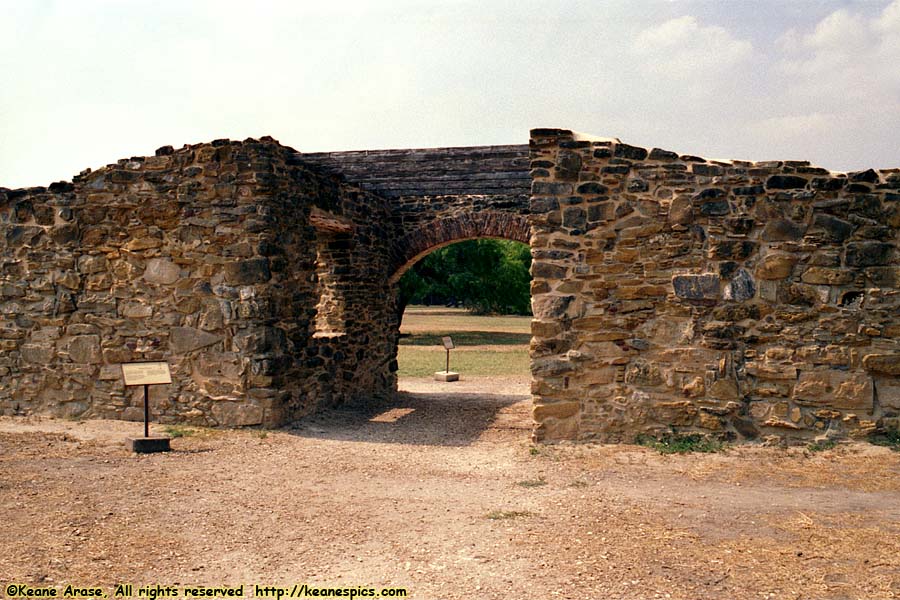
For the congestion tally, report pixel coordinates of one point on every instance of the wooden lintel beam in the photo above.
(322, 219)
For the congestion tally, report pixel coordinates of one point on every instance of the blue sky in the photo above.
(87, 82)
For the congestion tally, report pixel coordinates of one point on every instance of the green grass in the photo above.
(177, 431)
(497, 515)
(418, 319)
(891, 439)
(821, 445)
(532, 483)
(677, 443)
(419, 361)
(486, 346)
(466, 338)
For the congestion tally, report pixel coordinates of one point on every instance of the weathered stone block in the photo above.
(678, 413)
(38, 354)
(237, 414)
(547, 307)
(776, 266)
(629, 152)
(187, 339)
(681, 212)
(724, 389)
(696, 287)
(85, 349)
(867, 254)
(555, 410)
(883, 364)
(92, 263)
(161, 271)
(825, 355)
(774, 371)
(143, 243)
(832, 228)
(545, 328)
(836, 389)
(825, 276)
(574, 217)
(592, 188)
(884, 276)
(136, 310)
(741, 287)
(644, 373)
(732, 249)
(546, 188)
(785, 182)
(247, 272)
(547, 270)
(782, 230)
(888, 389)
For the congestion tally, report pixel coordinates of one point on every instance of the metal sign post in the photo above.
(147, 374)
(447, 374)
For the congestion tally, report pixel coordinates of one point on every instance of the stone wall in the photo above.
(735, 298)
(205, 257)
(741, 299)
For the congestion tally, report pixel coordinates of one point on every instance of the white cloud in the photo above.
(839, 87)
(846, 60)
(683, 49)
(793, 126)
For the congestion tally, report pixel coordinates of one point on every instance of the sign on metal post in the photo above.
(447, 375)
(147, 374)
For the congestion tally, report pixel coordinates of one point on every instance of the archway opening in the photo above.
(476, 292)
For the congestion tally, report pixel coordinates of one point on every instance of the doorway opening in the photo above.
(476, 292)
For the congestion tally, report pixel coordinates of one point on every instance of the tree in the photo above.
(487, 276)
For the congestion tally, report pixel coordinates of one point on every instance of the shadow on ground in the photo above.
(431, 419)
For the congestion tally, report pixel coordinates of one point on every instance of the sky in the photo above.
(86, 82)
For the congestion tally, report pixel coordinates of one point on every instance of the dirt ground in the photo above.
(441, 492)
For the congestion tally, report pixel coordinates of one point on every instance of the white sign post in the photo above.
(447, 374)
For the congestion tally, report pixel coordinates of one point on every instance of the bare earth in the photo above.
(441, 492)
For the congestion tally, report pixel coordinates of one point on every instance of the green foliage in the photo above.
(486, 276)
(177, 431)
(676, 443)
(422, 361)
(532, 483)
(496, 515)
(821, 445)
(890, 438)
(467, 338)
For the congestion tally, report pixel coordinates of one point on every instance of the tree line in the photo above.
(486, 276)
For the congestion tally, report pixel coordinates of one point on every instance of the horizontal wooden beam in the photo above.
(324, 220)
(476, 170)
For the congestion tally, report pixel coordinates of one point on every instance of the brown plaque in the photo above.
(448, 343)
(146, 373)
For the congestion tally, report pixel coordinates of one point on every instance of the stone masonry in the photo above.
(740, 299)
(735, 298)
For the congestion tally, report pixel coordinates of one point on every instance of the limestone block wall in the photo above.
(205, 257)
(741, 299)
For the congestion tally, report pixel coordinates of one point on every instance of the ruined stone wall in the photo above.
(351, 349)
(735, 298)
(204, 257)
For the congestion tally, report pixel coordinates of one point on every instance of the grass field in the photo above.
(485, 346)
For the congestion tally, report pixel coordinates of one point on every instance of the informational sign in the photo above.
(146, 373)
(448, 343)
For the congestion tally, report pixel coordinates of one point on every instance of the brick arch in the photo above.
(442, 232)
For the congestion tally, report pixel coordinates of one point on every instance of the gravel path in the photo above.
(441, 492)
